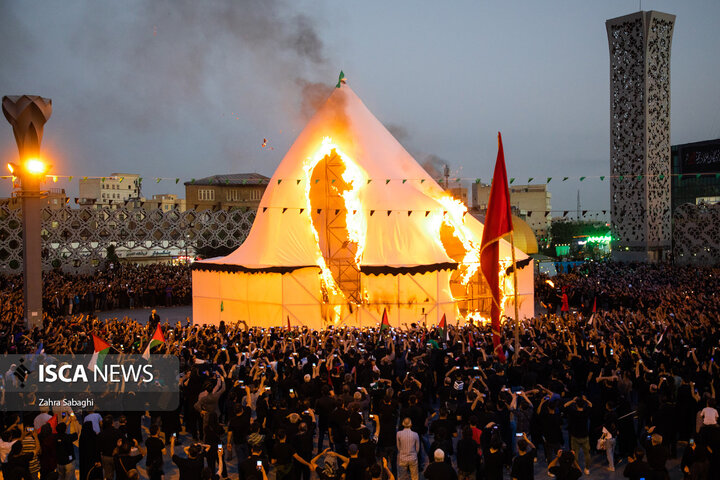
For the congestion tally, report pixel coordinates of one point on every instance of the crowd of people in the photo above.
(629, 387)
(119, 286)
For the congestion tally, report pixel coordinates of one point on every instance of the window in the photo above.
(232, 195)
(206, 194)
(255, 195)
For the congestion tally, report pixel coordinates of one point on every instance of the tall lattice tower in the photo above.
(640, 134)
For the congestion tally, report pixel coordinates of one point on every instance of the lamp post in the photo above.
(27, 114)
(190, 226)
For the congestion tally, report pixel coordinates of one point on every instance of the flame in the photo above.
(549, 282)
(507, 287)
(454, 215)
(355, 216)
(507, 291)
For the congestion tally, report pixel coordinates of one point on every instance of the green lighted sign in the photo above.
(600, 239)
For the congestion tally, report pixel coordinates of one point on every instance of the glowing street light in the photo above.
(27, 114)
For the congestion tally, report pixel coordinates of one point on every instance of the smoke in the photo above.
(149, 64)
(399, 132)
(305, 40)
(313, 95)
(433, 165)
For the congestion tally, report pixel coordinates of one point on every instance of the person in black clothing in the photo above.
(657, 454)
(190, 467)
(17, 466)
(65, 451)
(89, 449)
(282, 457)
(153, 320)
(551, 426)
(387, 413)
(493, 457)
(355, 467)
(213, 434)
(302, 442)
(578, 416)
(248, 468)
(324, 407)
(380, 473)
(695, 463)
(126, 460)
(108, 440)
(467, 455)
(522, 465)
(155, 449)
(564, 466)
(637, 467)
(238, 430)
(368, 445)
(440, 469)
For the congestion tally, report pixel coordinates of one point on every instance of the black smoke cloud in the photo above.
(163, 80)
(433, 164)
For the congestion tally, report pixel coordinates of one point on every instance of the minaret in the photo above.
(640, 134)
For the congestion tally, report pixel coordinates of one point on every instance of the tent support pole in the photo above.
(515, 289)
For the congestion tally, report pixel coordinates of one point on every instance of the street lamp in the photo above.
(27, 114)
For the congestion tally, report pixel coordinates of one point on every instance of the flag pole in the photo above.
(515, 291)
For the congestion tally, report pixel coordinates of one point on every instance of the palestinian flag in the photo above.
(385, 324)
(102, 348)
(157, 339)
(442, 328)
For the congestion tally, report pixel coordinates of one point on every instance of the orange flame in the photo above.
(355, 219)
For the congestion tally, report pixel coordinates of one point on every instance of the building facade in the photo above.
(226, 191)
(530, 202)
(165, 202)
(115, 189)
(640, 45)
(695, 168)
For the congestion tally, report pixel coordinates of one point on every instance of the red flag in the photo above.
(288, 317)
(498, 223)
(53, 423)
(471, 340)
(594, 305)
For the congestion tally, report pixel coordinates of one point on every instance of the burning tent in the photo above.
(349, 225)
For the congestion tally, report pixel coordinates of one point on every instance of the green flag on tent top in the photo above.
(340, 79)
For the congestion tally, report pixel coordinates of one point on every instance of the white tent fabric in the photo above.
(396, 209)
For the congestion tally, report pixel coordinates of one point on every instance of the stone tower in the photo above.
(640, 134)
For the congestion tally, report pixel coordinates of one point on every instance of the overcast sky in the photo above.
(189, 88)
